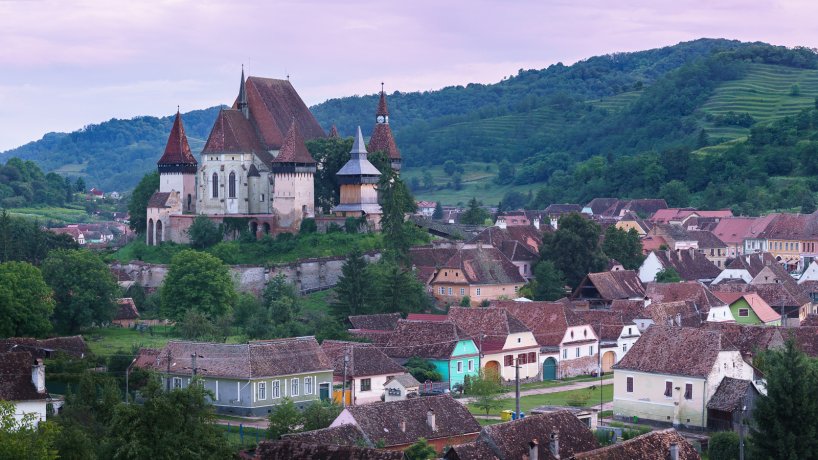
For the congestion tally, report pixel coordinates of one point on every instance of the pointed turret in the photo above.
(242, 99)
(358, 170)
(333, 132)
(293, 156)
(382, 140)
(177, 157)
(357, 179)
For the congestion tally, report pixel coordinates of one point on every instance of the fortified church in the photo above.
(255, 166)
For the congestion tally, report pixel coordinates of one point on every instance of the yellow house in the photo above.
(671, 373)
(479, 272)
(632, 222)
(784, 235)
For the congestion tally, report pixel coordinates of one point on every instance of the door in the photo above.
(323, 391)
(608, 360)
(549, 369)
(493, 369)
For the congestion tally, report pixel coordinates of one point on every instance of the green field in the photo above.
(561, 398)
(478, 182)
(70, 215)
(764, 93)
(111, 340)
(317, 301)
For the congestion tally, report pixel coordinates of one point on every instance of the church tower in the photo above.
(382, 140)
(293, 171)
(177, 167)
(358, 178)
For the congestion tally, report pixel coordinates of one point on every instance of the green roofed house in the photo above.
(442, 343)
(249, 379)
(750, 308)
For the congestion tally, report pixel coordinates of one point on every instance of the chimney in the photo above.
(403, 426)
(38, 375)
(501, 222)
(532, 449)
(678, 319)
(430, 420)
(554, 223)
(537, 223)
(674, 451)
(554, 445)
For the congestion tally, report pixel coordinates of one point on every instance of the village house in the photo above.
(790, 238)
(682, 216)
(553, 212)
(375, 328)
(691, 265)
(479, 272)
(672, 372)
(732, 404)
(601, 289)
(631, 221)
(809, 281)
(676, 237)
(426, 208)
(295, 450)
(567, 348)
(656, 445)
(749, 308)
(520, 244)
(697, 293)
(735, 232)
(73, 346)
(22, 382)
(750, 341)
(250, 379)
(401, 387)
(787, 299)
(365, 367)
(712, 248)
(396, 425)
(503, 341)
(544, 436)
(126, 314)
(450, 350)
(615, 208)
(616, 336)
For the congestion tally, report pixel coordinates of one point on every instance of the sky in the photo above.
(65, 64)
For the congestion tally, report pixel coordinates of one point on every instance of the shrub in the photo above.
(724, 446)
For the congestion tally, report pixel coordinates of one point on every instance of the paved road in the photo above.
(542, 391)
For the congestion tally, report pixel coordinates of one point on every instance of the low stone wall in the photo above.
(308, 275)
(579, 366)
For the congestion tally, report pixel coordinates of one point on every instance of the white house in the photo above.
(22, 382)
(401, 387)
(366, 368)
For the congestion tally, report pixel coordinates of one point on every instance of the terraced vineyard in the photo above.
(764, 93)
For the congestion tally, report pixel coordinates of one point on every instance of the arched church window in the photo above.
(231, 186)
(215, 185)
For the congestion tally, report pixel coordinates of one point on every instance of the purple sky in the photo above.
(68, 63)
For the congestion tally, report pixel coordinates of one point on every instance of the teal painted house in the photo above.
(452, 353)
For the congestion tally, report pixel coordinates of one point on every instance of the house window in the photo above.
(521, 358)
(294, 387)
(629, 331)
(460, 367)
(261, 197)
(366, 384)
(231, 185)
(688, 391)
(450, 291)
(471, 365)
(577, 352)
(215, 185)
(668, 389)
(532, 357)
(462, 291)
(177, 382)
(308, 385)
(565, 353)
(478, 291)
(629, 384)
(442, 291)
(591, 350)
(508, 360)
(624, 348)
(744, 312)
(276, 392)
(262, 391)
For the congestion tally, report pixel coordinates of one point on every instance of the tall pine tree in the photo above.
(352, 287)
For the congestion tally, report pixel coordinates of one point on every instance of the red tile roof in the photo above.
(383, 141)
(177, 150)
(667, 350)
(749, 339)
(296, 450)
(426, 339)
(651, 446)
(41, 348)
(293, 149)
(488, 327)
(376, 322)
(691, 265)
(547, 320)
(364, 359)
(486, 265)
(273, 106)
(15, 377)
(333, 132)
(733, 230)
(146, 358)
(622, 284)
(686, 291)
(158, 200)
(383, 110)
(426, 317)
(232, 133)
(127, 309)
(524, 234)
(761, 308)
(342, 435)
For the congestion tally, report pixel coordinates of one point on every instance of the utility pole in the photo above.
(168, 375)
(741, 434)
(128, 371)
(599, 356)
(517, 385)
(344, 384)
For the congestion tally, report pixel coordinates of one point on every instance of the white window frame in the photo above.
(591, 350)
(471, 365)
(177, 383)
(450, 291)
(633, 384)
(294, 389)
(477, 292)
(275, 389)
(746, 312)
(692, 388)
(462, 291)
(564, 353)
(308, 385)
(261, 391)
(577, 352)
(665, 389)
(442, 290)
(217, 390)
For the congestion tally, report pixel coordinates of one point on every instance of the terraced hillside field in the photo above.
(764, 93)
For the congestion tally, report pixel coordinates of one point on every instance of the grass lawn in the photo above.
(248, 440)
(488, 421)
(563, 382)
(551, 399)
(478, 181)
(110, 340)
(317, 301)
(68, 215)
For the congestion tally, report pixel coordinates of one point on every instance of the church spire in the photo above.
(358, 146)
(177, 156)
(382, 115)
(242, 100)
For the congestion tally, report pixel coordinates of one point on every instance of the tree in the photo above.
(204, 233)
(320, 414)
(723, 445)
(474, 214)
(80, 185)
(465, 301)
(422, 370)
(84, 289)
(549, 283)
(785, 420)
(308, 225)
(675, 193)
(284, 418)
(668, 275)
(26, 303)
(25, 439)
(396, 200)
(281, 299)
(197, 281)
(420, 450)
(331, 154)
(175, 424)
(428, 180)
(438, 214)
(138, 204)
(808, 203)
(505, 172)
(353, 285)
(394, 288)
(625, 247)
(450, 167)
(574, 248)
(457, 181)
(486, 391)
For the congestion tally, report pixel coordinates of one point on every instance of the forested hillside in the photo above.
(113, 155)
